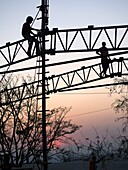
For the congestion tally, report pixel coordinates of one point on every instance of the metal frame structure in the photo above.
(84, 75)
(63, 44)
(64, 41)
(68, 37)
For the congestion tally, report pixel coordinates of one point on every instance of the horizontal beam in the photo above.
(19, 70)
(90, 27)
(95, 86)
(84, 59)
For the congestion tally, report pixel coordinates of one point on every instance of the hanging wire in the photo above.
(81, 114)
(35, 17)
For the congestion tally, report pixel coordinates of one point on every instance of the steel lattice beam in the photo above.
(85, 75)
(31, 87)
(65, 40)
(116, 38)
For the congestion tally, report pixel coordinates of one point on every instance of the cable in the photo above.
(35, 17)
(84, 93)
(88, 93)
(88, 113)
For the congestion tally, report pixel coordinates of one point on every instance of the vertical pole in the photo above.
(44, 137)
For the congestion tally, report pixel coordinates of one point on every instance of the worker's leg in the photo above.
(30, 43)
(36, 45)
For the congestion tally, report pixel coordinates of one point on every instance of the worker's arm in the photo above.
(98, 52)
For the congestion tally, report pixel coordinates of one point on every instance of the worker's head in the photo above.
(103, 44)
(29, 19)
(94, 157)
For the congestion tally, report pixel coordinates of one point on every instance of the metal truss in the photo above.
(115, 35)
(68, 81)
(61, 41)
(13, 53)
(84, 75)
(18, 91)
(89, 38)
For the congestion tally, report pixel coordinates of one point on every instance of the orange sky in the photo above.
(89, 110)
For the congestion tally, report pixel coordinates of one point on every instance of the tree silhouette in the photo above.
(121, 103)
(21, 126)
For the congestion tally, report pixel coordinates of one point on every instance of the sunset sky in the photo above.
(91, 107)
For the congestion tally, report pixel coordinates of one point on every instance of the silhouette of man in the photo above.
(93, 163)
(103, 52)
(26, 33)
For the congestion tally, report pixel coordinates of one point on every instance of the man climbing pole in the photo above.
(26, 33)
(103, 52)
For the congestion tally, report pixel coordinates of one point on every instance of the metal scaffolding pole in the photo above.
(44, 137)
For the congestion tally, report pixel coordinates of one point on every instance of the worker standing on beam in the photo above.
(26, 33)
(103, 52)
